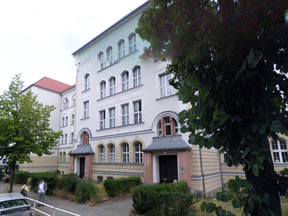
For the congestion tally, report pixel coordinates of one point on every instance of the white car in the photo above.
(14, 204)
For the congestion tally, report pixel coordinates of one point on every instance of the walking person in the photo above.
(42, 188)
(25, 190)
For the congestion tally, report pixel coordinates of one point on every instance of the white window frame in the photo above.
(60, 155)
(137, 112)
(64, 156)
(279, 148)
(65, 103)
(132, 43)
(62, 139)
(73, 100)
(72, 118)
(103, 89)
(112, 117)
(86, 109)
(165, 87)
(121, 49)
(63, 121)
(72, 136)
(125, 81)
(66, 121)
(65, 138)
(109, 58)
(87, 81)
(101, 60)
(112, 154)
(125, 153)
(112, 85)
(102, 119)
(125, 114)
(101, 154)
(138, 153)
(137, 76)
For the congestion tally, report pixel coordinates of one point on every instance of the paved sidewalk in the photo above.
(121, 207)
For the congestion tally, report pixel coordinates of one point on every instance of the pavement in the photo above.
(119, 207)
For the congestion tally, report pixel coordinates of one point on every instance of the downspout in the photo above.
(221, 173)
(59, 137)
(202, 173)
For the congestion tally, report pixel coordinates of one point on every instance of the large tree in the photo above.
(24, 124)
(230, 61)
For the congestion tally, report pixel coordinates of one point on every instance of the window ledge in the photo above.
(165, 97)
(86, 90)
(120, 92)
(120, 126)
(84, 118)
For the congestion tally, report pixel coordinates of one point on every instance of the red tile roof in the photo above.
(52, 84)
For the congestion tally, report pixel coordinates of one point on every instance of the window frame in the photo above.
(121, 49)
(66, 137)
(112, 117)
(112, 83)
(125, 81)
(109, 53)
(137, 112)
(138, 152)
(280, 151)
(137, 76)
(111, 154)
(102, 89)
(102, 118)
(165, 87)
(87, 82)
(101, 154)
(125, 114)
(125, 153)
(132, 43)
(86, 109)
(101, 60)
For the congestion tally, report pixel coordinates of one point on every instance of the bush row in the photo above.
(164, 199)
(115, 187)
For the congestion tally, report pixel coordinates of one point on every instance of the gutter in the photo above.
(202, 173)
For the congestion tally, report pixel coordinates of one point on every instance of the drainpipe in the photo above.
(202, 172)
(221, 173)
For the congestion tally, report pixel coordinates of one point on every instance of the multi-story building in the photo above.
(120, 118)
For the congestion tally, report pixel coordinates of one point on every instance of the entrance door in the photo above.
(82, 167)
(168, 168)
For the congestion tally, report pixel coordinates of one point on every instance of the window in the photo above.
(137, 112)
(65, 138)
(72, 119)
(65, 103)
(112, 154)
(101, 154)
(86, 109)
(138, 153)
(102, 119)
(125, 151)
(60, 156)
(101, 60)
(166, 88)
(85, 137)
(112, 86)
(279, 149)
(125, 114)
(87, 81)
(100, 179)
(66, 121)
(64, 157)
(137, 76)
(112, 117)
(73, 100)
(125, 81)
(167, 126)
(103, 89)
(132, 43)
(62, 139)
(63, 122)
(72, 136)
(121, 49)
(109, 55)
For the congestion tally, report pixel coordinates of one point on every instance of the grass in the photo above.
(228, 207)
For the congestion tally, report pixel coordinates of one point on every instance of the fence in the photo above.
(34, 209)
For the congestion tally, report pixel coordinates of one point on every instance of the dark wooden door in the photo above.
(168, 168)
(82, 167)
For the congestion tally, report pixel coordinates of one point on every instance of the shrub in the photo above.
(163, 199)
(114, 187)
(86, 190)
(69, 182)
(21, 177)
(51, 178)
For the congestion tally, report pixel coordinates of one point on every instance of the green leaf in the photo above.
(210, 207)
(255, 170)
(276, 126)
(250, 56)
(263, 128)
(183, 129)
(219, 196)
(220, 212)
(265, 198)
(203, 206)
(246, 151)
(192, 139)
(236, 203)
(219, 77)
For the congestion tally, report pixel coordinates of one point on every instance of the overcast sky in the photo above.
(37, 37)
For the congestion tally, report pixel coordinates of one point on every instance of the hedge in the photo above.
(115, 187)
(69, 182)
(86, 190)
(51, 178)
(164, 199)
(21, 177)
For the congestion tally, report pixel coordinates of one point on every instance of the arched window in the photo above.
(101, 154)
(109, 55)
(138, 153)
(125, 81)
(101, 60)
(137, 76)
(100, 179)
(112, 154)
(64, 157)
(121, 49)
(132, 43)
(72, 119)
(112, 85)
(279, 149)
(60, 156)
(125, 153)
(103, 89)
(73, 100)
(167, 126)
(65, 103)
(85, 137)
(87, 81)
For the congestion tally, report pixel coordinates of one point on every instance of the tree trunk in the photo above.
(265, 183)
(11, 180)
